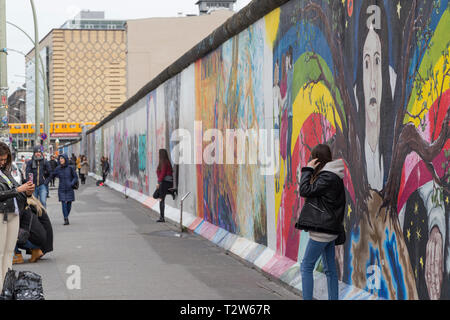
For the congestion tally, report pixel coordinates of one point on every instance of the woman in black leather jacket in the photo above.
(13, 199)
(322, 216)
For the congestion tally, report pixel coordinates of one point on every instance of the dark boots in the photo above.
(66, 221)
(161, 211)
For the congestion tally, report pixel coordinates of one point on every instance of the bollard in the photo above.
(181, 213)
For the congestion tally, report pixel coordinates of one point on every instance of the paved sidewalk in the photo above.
(124, 254)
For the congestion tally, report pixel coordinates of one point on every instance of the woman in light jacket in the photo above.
(84, 169)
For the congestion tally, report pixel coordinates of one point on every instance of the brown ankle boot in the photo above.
(36, 254)
(18, 259)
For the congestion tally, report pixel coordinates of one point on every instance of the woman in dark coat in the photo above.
(67, 180)
(41, 232)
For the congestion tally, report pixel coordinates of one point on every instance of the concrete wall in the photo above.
(343, 54)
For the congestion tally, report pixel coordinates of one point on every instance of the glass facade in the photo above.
(95, 24)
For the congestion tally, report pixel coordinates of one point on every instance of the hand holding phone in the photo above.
(30, 177)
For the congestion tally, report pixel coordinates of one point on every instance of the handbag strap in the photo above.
(31, 219)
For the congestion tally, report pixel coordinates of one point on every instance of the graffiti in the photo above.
(388, 119)
(228, 83)
(372, 79)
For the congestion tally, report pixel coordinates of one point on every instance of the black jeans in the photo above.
(163, 191)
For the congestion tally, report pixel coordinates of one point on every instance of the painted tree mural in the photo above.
(372, 79)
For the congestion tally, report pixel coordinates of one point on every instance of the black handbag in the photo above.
(340, 239)
(77, 184)
(156, 194)
(24, 234)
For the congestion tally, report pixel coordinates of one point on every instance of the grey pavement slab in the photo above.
(123, 254)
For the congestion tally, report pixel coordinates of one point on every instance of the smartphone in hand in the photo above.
(30, 177)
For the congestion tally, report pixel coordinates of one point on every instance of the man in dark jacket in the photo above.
(40, 168)
(53, 164)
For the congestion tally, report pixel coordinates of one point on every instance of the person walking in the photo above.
(165, 181)
(322, 216)
(105, 168)
(67, 180)
(84, 169)
(40, 168)
(13, 199)
(53, 164)
(78, 163)
(73, 161)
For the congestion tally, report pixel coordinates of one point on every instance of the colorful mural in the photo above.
(228, 91)
(352, 74)
(372, 79)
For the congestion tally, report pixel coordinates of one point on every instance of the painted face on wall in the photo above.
(372, 76)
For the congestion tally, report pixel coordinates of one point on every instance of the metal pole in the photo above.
(4, 128)
(181, 211)
(46, 91)
(36, 71)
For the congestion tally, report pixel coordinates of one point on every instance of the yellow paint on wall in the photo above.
(302, 109)
(272, 22)
(429, 94)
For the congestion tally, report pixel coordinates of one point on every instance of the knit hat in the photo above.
(37, 149)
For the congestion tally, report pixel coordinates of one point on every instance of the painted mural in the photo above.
(372, 79)
(229, 96)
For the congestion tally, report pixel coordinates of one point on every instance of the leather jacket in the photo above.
(7, 196)
(324, 208)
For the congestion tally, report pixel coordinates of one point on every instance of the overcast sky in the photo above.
(53, 13)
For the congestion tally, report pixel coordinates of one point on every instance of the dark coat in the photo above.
(53, 164)
(324, 207)
(42, 166)
(41, 232)
(67, 179)
(7, 196)
(105, 167)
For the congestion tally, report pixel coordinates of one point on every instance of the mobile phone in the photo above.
(30, 177)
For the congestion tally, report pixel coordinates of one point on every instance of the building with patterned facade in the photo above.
(85, 74)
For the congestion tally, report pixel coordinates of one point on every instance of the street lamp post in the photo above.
(4, 128)
(46, 91)
(37, 127)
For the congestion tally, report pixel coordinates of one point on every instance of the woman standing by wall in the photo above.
(322, 216)
(13, 199)
(165, 181)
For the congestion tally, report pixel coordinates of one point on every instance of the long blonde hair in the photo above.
(33, 201)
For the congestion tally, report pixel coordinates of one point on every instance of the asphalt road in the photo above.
(115, 250)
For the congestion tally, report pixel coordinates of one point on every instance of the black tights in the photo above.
(163, 191)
